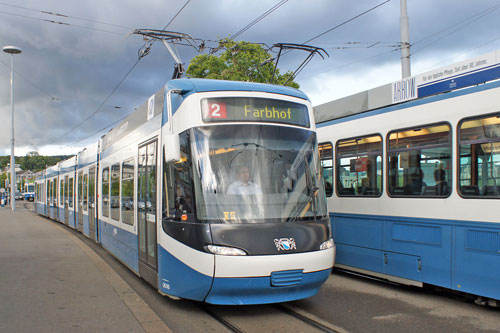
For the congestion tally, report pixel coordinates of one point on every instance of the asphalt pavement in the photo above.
(50, 281)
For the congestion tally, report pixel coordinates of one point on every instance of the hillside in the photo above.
(33, 163)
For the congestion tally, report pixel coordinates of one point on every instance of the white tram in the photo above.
(210, 191)
(413, 187)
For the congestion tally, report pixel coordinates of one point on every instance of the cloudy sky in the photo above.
(67, 72)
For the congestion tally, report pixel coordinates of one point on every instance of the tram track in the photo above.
(235, 323)
(219, 318)
(309, 319)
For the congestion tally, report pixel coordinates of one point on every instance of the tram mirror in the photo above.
(172, 148)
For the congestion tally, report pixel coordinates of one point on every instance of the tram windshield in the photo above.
(256, 174)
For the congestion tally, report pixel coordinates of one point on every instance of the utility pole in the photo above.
(12, 50)
(405, 41)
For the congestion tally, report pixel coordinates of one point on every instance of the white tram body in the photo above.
(413, 187)
(157, 187)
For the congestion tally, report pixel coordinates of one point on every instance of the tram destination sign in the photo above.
(247, 109)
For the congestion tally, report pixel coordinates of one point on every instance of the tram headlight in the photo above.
(327, 244)
(226, 251)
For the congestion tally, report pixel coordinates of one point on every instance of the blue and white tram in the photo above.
(66, 192)
(212, 191)
(86, 176)
(49, 207)
(40, 193)
(414, 187)
(29, 191)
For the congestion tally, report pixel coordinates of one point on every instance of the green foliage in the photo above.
(240, 61)
(33, 163)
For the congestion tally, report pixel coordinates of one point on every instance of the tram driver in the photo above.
(243, 185)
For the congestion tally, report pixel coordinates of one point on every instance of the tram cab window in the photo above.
(115, 192)
(419, 161)
(105, 192)
(128, 208)
(178, 199)
(359, 166)
(256, 174)
(326, 159)
(479, 153)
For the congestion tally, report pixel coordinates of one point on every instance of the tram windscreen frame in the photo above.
(281, 162)
(254, 109)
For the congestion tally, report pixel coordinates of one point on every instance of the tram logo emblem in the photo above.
(285, 244)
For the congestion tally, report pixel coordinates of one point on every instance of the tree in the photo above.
(240, 61)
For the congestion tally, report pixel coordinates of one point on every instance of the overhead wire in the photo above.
(31, 82)
(141, 55)
(258, 19)
(344, 23)
(347, 21)
(463, 24)
(60, 23)
(63, 15)
(102, 104)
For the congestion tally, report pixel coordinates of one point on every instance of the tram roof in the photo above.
(191, 86)
(483, 69)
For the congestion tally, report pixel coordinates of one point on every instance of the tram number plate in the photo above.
(217, 110)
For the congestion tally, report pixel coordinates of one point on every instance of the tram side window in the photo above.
(178, 200)
(54, 191)
(419, 161)
(359, 166)
(326, 158)
(61, 191)
(479, 151)
(115, 192)
(128, 208)
(70, 192)
(105, 192)
(85, 182)
(80, 190)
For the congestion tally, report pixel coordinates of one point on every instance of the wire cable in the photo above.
(98, 131)
(101, 105)
(141, 55)
(486, 11)
(31, 82)
(472, 20)
(61, 23)
(63, 15)
(258, 19)
(345, 22)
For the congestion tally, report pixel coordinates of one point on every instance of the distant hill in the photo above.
(33, 163)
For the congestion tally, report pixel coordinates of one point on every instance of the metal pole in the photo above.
(12, 156)
(405, 41)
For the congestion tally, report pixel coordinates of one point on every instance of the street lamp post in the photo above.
(12, 50)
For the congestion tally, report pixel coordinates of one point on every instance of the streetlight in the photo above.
(12, 50)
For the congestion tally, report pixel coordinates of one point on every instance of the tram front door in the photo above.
(146, 206)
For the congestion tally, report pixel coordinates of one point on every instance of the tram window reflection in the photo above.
(178, 180)
(115, 192)
(105, 191)
(326, 159)
(419, 161)
(127, 197)
(70, 193)
(479, 153)
(359, 166)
